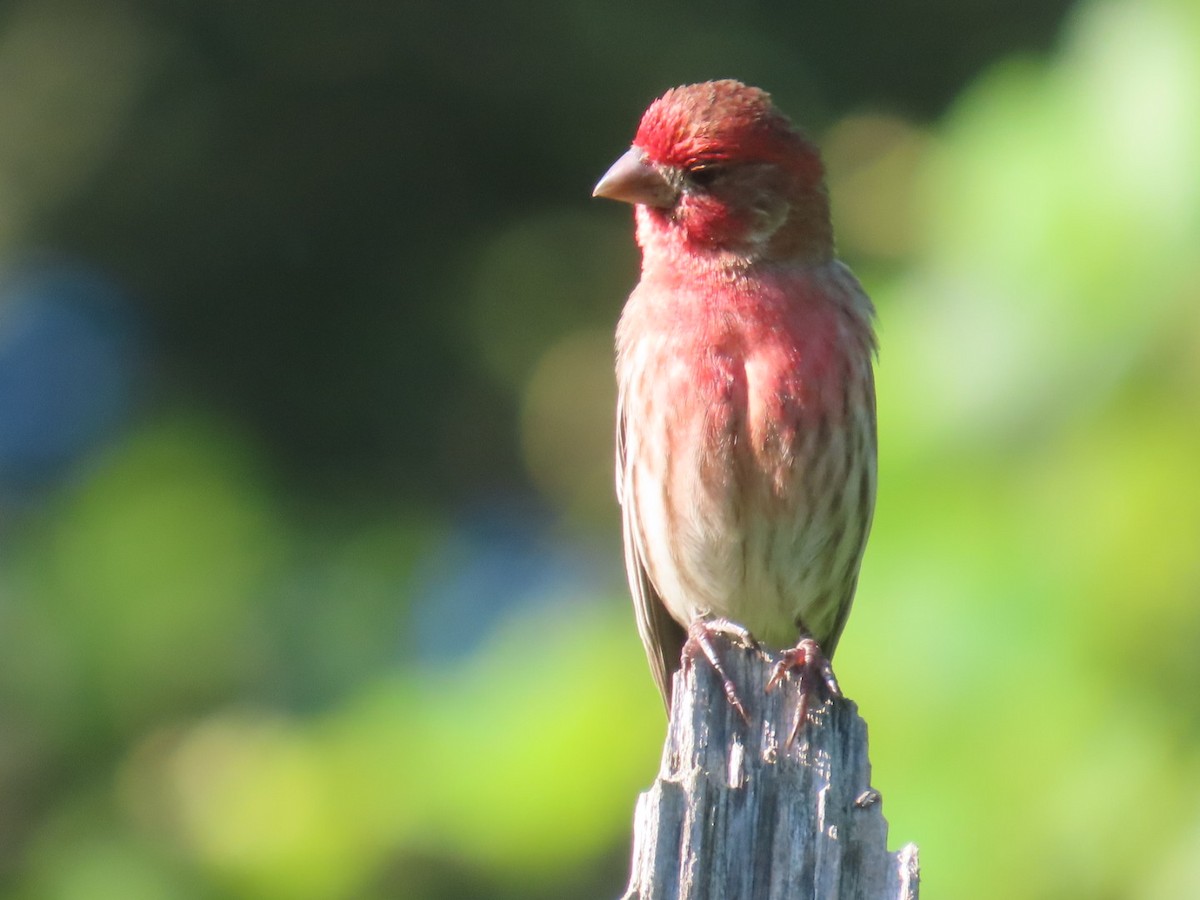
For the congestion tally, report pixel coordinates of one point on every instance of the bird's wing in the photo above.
(661, 635)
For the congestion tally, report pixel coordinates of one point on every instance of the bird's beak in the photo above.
(633, 180)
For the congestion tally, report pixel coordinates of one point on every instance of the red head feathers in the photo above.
(716, 168)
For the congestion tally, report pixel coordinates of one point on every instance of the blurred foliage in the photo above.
(310, 581)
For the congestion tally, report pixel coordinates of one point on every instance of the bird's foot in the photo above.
(816, 678)
(700, 641)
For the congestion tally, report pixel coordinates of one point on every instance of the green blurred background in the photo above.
(310, 580)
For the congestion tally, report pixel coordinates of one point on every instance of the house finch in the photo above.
(746, 406)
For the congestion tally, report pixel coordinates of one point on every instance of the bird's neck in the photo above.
(806, 235)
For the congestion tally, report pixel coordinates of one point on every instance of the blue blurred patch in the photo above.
(502, 555)
(68, 360)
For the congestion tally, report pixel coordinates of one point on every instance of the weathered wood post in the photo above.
(736, 815)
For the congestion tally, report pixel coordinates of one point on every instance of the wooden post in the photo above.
(736, 815)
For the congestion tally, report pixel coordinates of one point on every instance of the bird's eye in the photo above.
(704, 175)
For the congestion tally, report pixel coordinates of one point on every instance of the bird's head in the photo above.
(715, 167)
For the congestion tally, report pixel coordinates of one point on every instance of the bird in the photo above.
(746, 417)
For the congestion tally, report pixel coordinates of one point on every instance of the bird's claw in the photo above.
(816, 676)
(700, 641)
